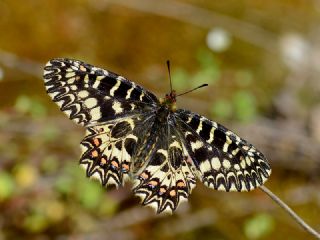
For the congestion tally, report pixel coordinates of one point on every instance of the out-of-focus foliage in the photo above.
(258, 226)
(27, 105)
(209, 72)
(261, 61)
(7, 186)
(241, 105)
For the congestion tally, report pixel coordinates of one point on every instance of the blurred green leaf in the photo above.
(206, 59)
(209, 71)
(23, 104)
(258, 226)
(53, 209)
(70, 179)
(27, 105)
(181, 79)
(222, 109)
(87, 191)
(49, 164)
(84, 222)
(89, 194)
(244, 77)
(64, 184)
(38, 109)
(208, 75)
(108, 206)
(244, 106)
(25, 175)
(6, 185)
(50, 132)
(35, 222)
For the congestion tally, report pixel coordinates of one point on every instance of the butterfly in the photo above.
(131, 135)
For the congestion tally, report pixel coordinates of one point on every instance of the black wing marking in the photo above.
(108, 149)
(223, 160)
(166, 177)
(91, 95)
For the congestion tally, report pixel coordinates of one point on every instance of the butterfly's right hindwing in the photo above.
(90, 95)
(108, 149)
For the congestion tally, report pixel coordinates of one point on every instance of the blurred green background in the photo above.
(261, 60)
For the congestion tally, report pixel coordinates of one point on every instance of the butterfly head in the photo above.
(169, 101)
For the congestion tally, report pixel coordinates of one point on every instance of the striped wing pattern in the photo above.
(90, 95)
(167, 177)
(107, 150)
(223, 160)
(130, 137)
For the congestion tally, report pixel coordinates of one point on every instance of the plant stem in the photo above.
(299, 220)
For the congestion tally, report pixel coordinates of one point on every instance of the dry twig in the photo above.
(299, 220)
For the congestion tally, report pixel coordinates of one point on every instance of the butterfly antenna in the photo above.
(203, 85)
(168, 66)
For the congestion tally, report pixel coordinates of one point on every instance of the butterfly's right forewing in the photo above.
(91, 95)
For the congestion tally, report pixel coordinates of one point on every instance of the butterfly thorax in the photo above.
(169, 101)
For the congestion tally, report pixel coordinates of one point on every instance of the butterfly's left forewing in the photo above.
(223, 160)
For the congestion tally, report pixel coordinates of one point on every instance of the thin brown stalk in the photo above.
(298, 219)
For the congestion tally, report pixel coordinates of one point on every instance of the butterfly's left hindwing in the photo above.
(166, 179)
